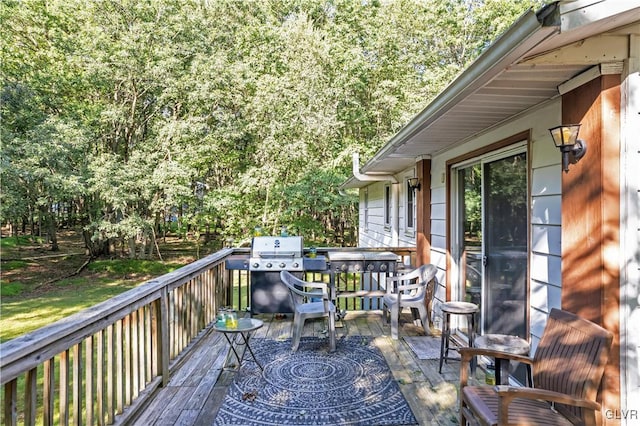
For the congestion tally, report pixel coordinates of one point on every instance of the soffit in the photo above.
(527, 77)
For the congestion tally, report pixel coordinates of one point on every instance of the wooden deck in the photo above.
(196, 390)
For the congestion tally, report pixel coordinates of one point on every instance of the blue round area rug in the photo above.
(351, 386)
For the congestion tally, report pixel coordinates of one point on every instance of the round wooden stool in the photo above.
(467, 309)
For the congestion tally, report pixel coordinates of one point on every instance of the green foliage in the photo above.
(130, 118)
(10, 289)
(13, 264)
(18, 240)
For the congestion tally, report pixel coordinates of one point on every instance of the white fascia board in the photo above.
(578, 13)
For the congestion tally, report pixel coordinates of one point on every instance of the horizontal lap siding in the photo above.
(439, 238)
(630, 240)
(545, 257)
(372, 234)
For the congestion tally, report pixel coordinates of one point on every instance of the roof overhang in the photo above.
(522, 69)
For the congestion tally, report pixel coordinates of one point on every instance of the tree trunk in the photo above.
(52, 227)
(97, 247)
(132, 247)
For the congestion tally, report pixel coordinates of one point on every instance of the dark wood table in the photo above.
(504, 343)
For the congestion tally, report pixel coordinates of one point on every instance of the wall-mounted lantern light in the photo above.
(566, 138)
(414, 183)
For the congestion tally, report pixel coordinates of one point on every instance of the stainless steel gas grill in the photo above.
(276, 254)
(269, 256)
(360, 274)
(354, 261)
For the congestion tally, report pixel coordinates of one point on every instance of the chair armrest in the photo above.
(508, 393)
(389, 284)
(312, 285)
(413, 286)
(319, 286)
(467, 353)
(316, 284)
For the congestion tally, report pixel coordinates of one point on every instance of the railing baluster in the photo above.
(77, 384)
(100, 373)
(119, 372)
(89, 375)
(189, 312)
(148, 324)
(110, 375)
(142, 349)
(30, 396)
(48, 397)
(163, 338)
(134, 355)
(177, 338)
(11, 403)
(64, 388)
(127, 343)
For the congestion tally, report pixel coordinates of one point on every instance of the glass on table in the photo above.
(231, 319)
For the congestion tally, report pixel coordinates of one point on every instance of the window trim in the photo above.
(410, 208)
(387, 205)
(365, 202)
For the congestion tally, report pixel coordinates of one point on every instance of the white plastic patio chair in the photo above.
(305, 297)
(413, 290)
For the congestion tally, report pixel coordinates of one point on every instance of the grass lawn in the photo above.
(34, 291)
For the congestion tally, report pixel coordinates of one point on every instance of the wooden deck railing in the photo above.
(98, 366)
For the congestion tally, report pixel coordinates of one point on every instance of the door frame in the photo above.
(452, 278)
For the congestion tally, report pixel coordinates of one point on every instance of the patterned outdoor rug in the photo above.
(351, 386)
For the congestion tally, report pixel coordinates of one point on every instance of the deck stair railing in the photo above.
(101, 365)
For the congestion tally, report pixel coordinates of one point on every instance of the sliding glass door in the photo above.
(490, 243)
(505, 245)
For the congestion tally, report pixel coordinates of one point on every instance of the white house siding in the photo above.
(375, 233)
(407, 236)
(545, 282)
(439, 239)
(630, 241)
(372, 234)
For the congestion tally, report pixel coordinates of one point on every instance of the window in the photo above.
(410, 206)
(387, 206)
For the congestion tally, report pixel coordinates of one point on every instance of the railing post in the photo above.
(64, 388)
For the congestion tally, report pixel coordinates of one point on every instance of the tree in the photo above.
(222, 115)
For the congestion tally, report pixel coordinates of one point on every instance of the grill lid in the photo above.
(356, 256)
(276, 254)
(276, 247)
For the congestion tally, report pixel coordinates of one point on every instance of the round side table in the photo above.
(241, 334)
(505, 343)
